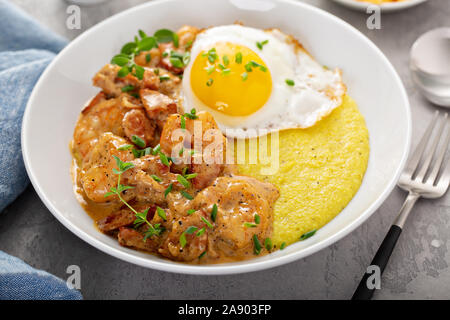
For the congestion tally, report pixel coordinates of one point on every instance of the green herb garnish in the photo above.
(257, 65)
(186, 195)
(257, 219)
(249, 225)
(191, 230)
(128, 88)
(248, 67)
(226, 60)
(226, 72)
(238, 58)
(164, 78)
(261, 44)
(141, 217)
(191, 176)
(192, 115)
(156, 178)
(190, 211)
(125, 59)
(200, 232)
(290, 82)
(210, 69)
(214, 212)
(183, 240)
(209, 82)
(144, 152)
(161, 213)
(283, 245)
(168, 189)
(166, 35)
(179, 60)
(268, 244)
(183, 181)
(212, 55)
(183, 122)
(308, 235)
(153, 230)
(138, 141)
(156, 150)
(257, 245)
(188, 44)
(125, 147)
(164, 159)
(207, 223)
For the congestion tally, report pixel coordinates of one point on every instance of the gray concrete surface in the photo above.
(419, 268)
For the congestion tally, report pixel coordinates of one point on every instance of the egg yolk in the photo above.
(231, 79)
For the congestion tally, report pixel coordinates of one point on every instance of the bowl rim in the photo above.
(229, 268)
(385, 7)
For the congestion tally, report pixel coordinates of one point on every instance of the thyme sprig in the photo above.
(141, 217)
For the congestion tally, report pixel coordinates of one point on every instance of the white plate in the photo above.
(58, 97)
(385, 7)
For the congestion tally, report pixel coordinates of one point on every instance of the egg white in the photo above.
(317, 91)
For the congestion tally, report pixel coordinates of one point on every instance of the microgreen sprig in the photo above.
(141, 217)
(125, 59)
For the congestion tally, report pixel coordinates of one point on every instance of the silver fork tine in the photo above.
(445, 179)
(440, 158)
(433, 188)
(418, 152)
(421, 175)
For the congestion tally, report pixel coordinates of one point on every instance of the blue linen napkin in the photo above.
(26, 48)
(19, 281)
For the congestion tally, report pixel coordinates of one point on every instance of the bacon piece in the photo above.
(107, 80)
(136, 123)
(207, 165)
(165, 63)
(119, 219)
(162, 81)
(131, 238)
(149, 59)
(157, 105)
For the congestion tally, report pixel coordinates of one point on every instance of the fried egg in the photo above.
(250, 79)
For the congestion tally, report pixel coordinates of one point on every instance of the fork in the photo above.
(420, 179)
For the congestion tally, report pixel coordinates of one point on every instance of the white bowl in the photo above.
(60, 93)
(385, 7)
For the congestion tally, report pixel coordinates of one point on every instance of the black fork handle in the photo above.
(381, 259)
(387, 246)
